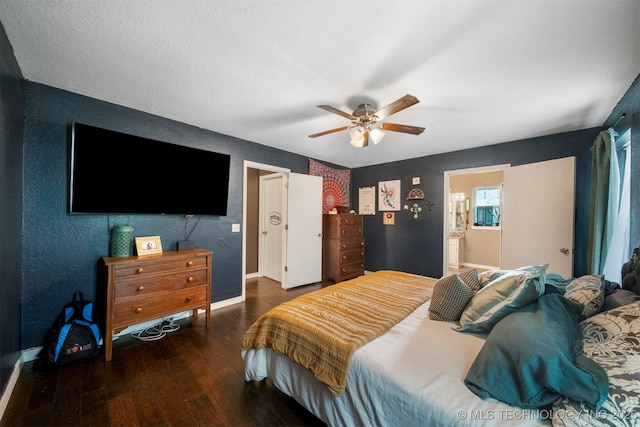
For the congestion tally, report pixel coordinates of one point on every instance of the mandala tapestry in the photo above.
(335, 185)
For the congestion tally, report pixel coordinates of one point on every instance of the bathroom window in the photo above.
(486, 202)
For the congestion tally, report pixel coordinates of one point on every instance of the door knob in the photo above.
(565, 251)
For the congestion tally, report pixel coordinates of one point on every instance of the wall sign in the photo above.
(275, 218)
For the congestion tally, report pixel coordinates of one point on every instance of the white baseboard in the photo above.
(483, 267)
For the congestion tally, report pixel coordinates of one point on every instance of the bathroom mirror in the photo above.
(457, 212)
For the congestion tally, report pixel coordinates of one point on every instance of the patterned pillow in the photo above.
(472, 279)
(612, 339)
(587, 291)
(450, 297)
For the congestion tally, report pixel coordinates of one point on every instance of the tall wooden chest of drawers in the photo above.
(342, 246)
(139, 289)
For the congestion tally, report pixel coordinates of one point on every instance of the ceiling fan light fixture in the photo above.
(366, 121)
(376, 135)
(357, 136)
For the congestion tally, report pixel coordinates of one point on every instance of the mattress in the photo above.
(411, 375)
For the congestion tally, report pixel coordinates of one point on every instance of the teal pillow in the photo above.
(534, 356)
(503, 295)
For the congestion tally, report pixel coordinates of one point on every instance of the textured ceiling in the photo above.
(485, 71)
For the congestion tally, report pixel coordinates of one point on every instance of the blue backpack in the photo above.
(75, 335)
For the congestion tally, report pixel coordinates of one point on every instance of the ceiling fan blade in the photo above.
(415, 130)
(397, 105)
(334, 110)
(326, 132)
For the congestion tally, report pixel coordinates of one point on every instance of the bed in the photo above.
(434, 350)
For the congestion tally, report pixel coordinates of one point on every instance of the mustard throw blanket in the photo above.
(321, 330)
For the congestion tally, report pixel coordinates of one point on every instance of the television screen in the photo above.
(116, 173)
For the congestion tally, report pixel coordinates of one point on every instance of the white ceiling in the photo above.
(485, 71)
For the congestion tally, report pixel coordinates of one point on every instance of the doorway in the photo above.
(251, 217)
(535, 224)
(466, 246)
(299, 226)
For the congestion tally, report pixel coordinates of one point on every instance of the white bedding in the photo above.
(412, 375)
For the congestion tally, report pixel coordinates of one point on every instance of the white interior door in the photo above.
(303, 231)
(537, 216)
(271, 226)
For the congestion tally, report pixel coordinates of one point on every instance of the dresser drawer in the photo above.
(350, 245)
(352, 256)
(350, 270)
(169, 282)
(150, 267)
(129, 311)
(350, 220)
(350, 232)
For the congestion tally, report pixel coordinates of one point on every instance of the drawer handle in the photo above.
(344, 246)
(140, 288)
(361, 243)
(140, 270)
(344, 257)
(362, 253)
(190, 279)
(188, 299)
(189, 263)
(138, 310)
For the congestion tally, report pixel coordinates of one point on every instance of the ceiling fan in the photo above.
(367, 122)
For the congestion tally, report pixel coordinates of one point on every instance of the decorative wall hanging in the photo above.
(389, 195)
(415, 194)
(415, 209)
(367, 200)
(388, 218)
(335, 185)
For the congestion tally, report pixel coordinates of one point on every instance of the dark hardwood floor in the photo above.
(191, 377)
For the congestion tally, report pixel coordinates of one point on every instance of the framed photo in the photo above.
(148, 245)
(389, 195)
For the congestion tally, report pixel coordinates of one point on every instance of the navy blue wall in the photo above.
(415, 245)
(11, 122)
(61, 251)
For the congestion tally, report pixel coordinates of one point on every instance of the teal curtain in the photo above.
(604, 199)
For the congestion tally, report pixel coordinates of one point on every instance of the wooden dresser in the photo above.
(342, 246)
(139, 289)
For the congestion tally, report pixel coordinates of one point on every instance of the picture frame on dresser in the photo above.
(149, 245)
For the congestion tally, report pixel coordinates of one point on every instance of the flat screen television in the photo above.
(115, 173)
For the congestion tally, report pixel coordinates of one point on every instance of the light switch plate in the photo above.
(235, 228)
(416, 180)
